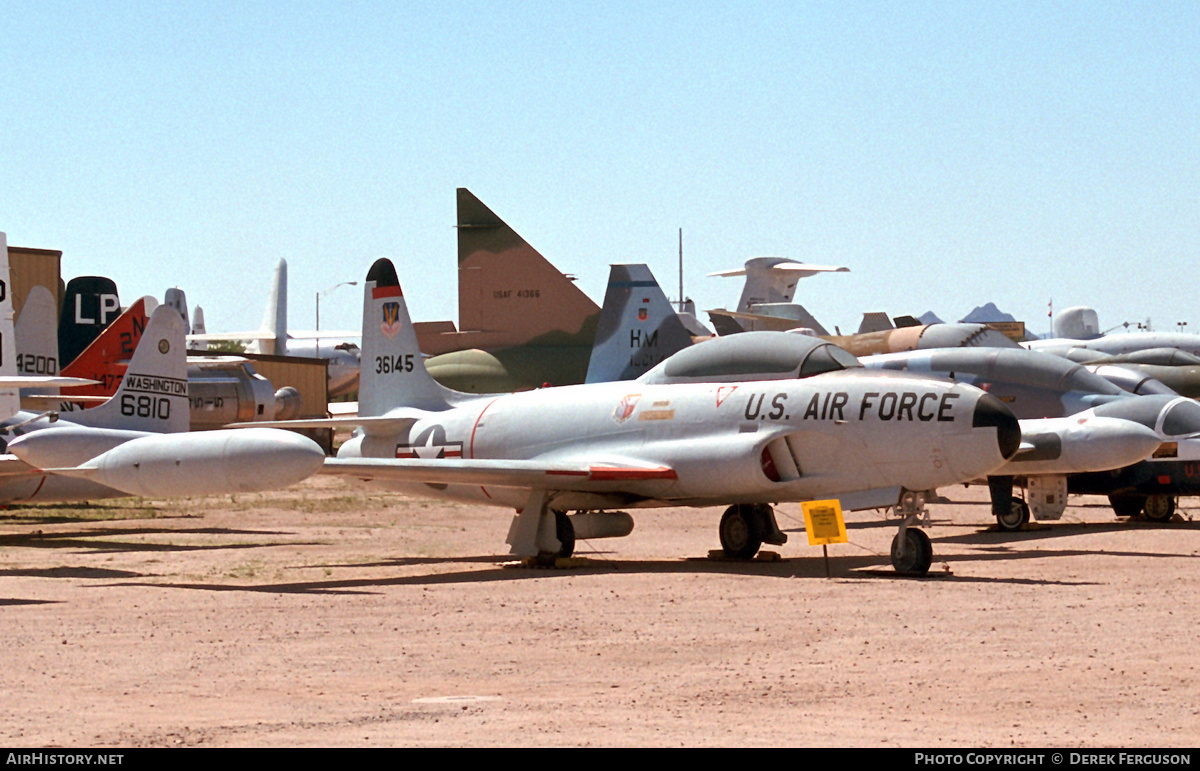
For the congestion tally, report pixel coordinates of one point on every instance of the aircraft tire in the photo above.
(916, 559)
(1159, 508)
(1127, 505)
(1016, 518)
(741, 532)
(565, 532)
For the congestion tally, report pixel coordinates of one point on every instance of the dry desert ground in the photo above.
(323, 616)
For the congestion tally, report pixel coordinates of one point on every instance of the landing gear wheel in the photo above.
(741, 533)
(565, 532)
(913, 555)
(1127, 505)
(1159, 508)
(1016, 516)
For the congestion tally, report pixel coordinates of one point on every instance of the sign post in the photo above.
(824, 524)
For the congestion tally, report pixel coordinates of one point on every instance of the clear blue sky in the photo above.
(948, 153)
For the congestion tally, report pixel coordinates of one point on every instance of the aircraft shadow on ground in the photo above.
(1045, 530)
(44, 514)
(89, 540)
(845, 567)
(71, 572)
(15, 602)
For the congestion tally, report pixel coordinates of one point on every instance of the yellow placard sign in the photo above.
(823, 522)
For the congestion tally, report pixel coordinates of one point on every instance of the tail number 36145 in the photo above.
(385, 365)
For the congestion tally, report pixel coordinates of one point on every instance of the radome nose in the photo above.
(990, 411)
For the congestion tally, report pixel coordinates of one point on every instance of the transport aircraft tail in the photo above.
(153, 395)
(176, 298)
(392, 374)
(274, 332)
(198, 328)
(637, 327)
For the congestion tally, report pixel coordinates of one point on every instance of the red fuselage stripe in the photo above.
(471, 448)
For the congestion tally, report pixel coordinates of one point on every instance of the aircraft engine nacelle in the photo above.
(223, 393)
(206, 463)
(287, 403)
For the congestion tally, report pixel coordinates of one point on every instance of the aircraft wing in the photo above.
(215, 337)
(317, 335)
(37, 381)
(12, 466)
(384, 424)
(551, 475)
(769, 323)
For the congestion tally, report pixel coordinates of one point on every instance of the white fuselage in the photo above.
(767, 441)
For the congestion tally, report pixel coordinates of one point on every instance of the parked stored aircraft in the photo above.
(18, 371)
(221, 389)
(1041, 390)
(134, 444)
(522, 323)
(638, 329)
(273, 338)
(1079, 327)
(862, 437)
(766, 302)
(1090, 424)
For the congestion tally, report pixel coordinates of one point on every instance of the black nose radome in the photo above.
(990, 411)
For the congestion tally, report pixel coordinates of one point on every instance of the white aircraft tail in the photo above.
(637, 327)
(10, 401)
(198, 328)
(153, 395)
(274, 321)
(36, 333)
(176, 298)
(393, 373)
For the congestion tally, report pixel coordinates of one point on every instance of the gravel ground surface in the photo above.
(325, 616)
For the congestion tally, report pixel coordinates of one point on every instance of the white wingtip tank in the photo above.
(392, 373)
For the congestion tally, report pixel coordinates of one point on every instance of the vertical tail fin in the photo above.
(637, 328)
(176, 298)
(153, 395)
(508, 293)
(89, 303)
(109, 355)
(392, 371)
(275, 319)
(10, 401)
(198, 328)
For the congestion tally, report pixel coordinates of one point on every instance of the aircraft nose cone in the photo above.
(990, 411)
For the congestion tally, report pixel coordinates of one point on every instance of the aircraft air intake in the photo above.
(990, 411)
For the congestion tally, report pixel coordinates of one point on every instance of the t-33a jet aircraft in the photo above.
(137, 442)
(864, 438)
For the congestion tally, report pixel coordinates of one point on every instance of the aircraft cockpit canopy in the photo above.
(1170, 416)
(753, 356)
(1182, 419)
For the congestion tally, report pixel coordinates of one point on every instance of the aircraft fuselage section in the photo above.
(751, 441)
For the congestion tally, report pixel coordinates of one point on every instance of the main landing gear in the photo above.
(1011, 512)
(912, 551)
(1156, 508)
(747, 526)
